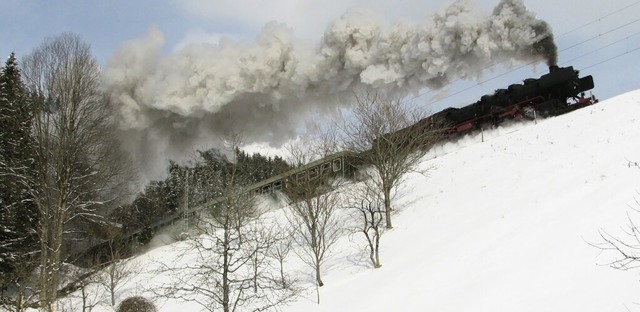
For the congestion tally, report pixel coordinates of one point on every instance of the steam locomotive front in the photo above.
(564, 82)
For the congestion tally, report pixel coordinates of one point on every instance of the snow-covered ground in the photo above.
(501, 225)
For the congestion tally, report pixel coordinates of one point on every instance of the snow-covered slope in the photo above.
(501, 225)
(505, 224)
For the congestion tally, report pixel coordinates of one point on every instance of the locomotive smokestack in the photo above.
(169, 105)
(547, 47)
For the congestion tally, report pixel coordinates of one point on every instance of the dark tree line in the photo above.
(256, 167)
(204, 181)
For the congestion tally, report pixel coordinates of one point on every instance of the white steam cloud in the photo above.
(171, 104)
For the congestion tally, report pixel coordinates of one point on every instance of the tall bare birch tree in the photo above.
(79, 166)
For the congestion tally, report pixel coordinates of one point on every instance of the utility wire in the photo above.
(611, 58)
(601, 34)
(599, 19)
(599, 49)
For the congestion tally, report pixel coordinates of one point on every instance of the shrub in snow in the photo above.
(136, 304)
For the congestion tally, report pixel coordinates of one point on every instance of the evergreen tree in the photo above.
(18, 215)
(204, 181)
(159, 200)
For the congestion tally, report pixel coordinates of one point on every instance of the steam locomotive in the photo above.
(558, 92)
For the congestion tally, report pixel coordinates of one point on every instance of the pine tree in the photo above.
(17, 212)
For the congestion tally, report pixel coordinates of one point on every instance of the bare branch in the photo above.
(368, 209)
(386, 134)
(313, 213)
(627, 247)
(232, 270)
(78, 165)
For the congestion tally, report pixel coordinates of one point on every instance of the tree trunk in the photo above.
(377, 264)
(372, 257)
(284, 282)
(387, 206)
(255, 273)
(84, 298)
(50, 259)
(112, 290)
(318, 279)
(225, 269)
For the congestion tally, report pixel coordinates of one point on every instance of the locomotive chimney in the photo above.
(553, 68)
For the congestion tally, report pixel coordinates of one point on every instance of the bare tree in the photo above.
(318, 227)
(84, 281)
(79, 166)
(280, 252)
(368, 209)
(89, 300)
(627, 246)
(385, 133)
(314, 205)
(117, 269)
(231, 270)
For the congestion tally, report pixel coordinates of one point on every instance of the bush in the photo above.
(136, 304)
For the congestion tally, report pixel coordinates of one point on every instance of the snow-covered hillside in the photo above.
(500, 225)
(505, 224)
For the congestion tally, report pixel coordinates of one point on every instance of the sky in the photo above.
(186, 61)
(507, 220)
(106, 25)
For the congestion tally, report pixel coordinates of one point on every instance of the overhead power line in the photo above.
(600, 48)
(601, 34)
(565, 49)
(599, 19)
(611, 58)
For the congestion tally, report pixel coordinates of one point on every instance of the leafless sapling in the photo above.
(280, 252)
(117, 270)
(314, 213)
(367, 209)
